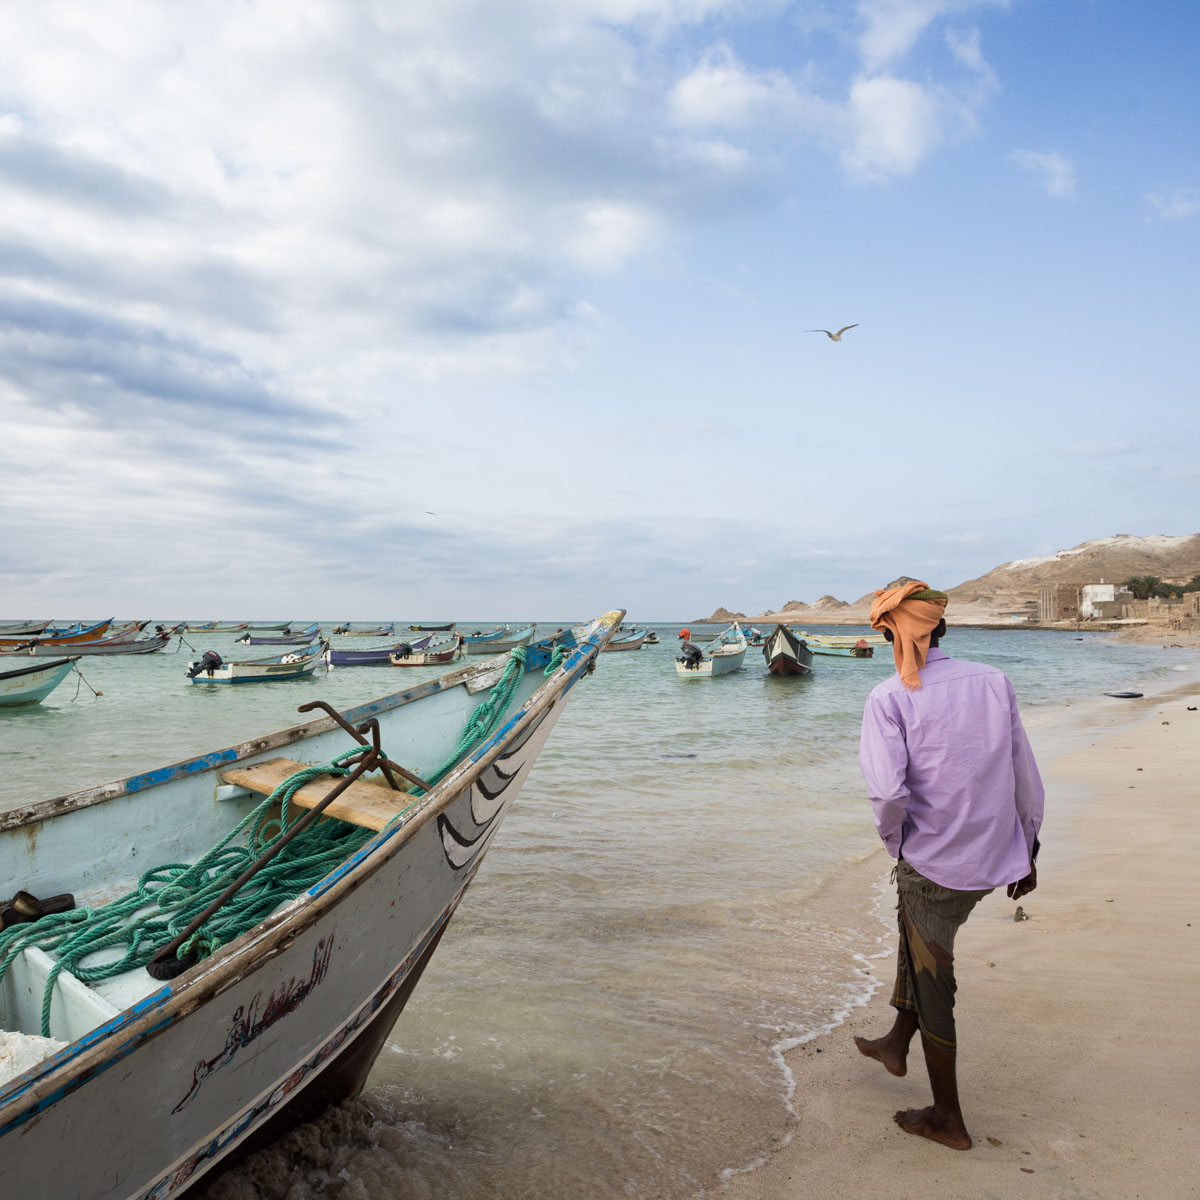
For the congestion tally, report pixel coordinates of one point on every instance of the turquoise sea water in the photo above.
(605, 1014)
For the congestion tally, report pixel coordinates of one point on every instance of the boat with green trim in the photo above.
(249, 923)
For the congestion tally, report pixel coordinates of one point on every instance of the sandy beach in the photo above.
(1078, 1058)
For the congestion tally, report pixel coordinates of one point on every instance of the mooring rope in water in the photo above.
(168, 898)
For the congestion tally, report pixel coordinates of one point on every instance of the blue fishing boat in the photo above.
(31, 685)
(242, 971)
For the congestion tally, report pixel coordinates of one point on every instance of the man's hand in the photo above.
(1023, 886)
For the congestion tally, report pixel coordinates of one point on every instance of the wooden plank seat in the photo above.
(371, 805)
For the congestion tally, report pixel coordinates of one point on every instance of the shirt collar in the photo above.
(934, 653)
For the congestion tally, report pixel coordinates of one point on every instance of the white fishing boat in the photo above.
(211, 668)
(723, 655)
(31, 685)
(159, 1045)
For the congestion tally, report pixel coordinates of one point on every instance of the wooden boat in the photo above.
(276, 627)
(210, 668)
(754, 636)
(433, 628)
(298, 637)
(497, 641)
(854, 650)
(229, 627)
(154, 1083)
(430, 655)
(843, 639)
(723, 655)
(786, 654)
(23, 629)
(633, 640)
(347, 630)
(150, 644)
(62, 637)
(31, 685)
(377, 656)
(651, 638)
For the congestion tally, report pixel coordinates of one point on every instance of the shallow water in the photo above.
(604, 1015)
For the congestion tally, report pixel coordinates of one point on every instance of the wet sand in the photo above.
(1078, 1055)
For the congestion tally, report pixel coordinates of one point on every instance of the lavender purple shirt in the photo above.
(951, 775)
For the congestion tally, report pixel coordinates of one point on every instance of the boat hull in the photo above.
(149, 645)
(31, 685)
(289, 1016)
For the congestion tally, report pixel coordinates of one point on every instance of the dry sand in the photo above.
(1079, 1057)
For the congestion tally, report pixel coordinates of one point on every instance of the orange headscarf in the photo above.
(911, 621)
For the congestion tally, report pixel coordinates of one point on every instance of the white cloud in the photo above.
(891, 28)
(1175, 205)
(894, 124)
(1053, 171)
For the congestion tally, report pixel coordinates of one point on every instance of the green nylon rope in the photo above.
(168, 897)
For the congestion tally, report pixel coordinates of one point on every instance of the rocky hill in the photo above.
(1108, 560)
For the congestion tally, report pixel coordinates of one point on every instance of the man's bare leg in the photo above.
(942, 1121)
(892, 1048)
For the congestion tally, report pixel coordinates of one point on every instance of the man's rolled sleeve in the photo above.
(883, 757)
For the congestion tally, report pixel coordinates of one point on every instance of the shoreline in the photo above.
(1046, 1084)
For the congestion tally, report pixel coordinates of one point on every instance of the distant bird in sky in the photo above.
(833, 337)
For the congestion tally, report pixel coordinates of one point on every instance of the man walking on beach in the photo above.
(958, 802)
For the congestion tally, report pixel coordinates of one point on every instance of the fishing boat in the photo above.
(229, 627)
(268, 627)
(61, 636)
(433, 628)
(786, 654)
(293, 637)
(497, 641)
(31, 685)
(377, 656)
(633, 640)
(754, 636)
(159, 1045)
(429, 655)
(348, 630)
(211, 668)
(843, 639)
(651, 638)
(723, 655)
(857, 649)
(23, 629)
(150, 644)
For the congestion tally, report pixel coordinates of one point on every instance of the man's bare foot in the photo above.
(929, 1123)
(880, 1049)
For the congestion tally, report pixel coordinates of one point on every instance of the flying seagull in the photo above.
(833, 337)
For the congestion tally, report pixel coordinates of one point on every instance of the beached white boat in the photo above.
(429, 654)
(31, 685)
(147, 1083)
(211, 668)
(724, 654)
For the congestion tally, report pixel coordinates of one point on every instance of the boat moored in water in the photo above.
(31, 685)
(722, 656)
(785, 653)
(211, 668)
(157, 1056)
(497, 641)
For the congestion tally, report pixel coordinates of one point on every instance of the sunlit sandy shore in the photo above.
(1078, 1054)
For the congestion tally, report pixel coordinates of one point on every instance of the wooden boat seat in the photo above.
(371, 805)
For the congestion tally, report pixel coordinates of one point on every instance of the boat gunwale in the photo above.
(48, 666)
(23, 1097)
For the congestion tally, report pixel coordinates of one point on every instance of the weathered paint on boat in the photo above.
(289, 1016)
(272, 669)
(722, 656)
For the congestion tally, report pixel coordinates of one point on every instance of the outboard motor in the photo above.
(403, 650)
(210, 662)
(691, 656)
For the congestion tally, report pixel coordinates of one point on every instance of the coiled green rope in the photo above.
(168, 897)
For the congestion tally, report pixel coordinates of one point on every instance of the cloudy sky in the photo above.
(471, 308)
